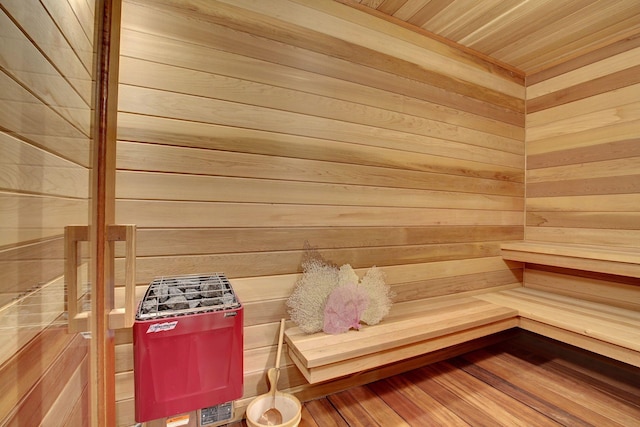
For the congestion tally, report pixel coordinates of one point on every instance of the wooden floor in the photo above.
(527, 381)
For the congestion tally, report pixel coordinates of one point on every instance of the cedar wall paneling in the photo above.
(45, 113)
(249, 128)
(583, 164)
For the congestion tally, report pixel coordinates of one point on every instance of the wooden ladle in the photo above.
(272, 416)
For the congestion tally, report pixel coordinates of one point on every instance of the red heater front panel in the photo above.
(187, 362)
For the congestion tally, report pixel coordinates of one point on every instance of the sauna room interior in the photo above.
(485, 156)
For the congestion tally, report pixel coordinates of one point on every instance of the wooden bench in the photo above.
(411, 329)
(416, 328)
(428, 326)
(611, 331)
(602, 259)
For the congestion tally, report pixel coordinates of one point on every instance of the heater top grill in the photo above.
(179, 295)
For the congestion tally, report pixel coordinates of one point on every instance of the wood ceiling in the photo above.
(528, 35)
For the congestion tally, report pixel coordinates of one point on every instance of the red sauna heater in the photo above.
(187, 346)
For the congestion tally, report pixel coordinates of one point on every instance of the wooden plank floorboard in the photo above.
(307, 419)
(526, 381)
(415, 405)
(488, 403)
(325, 414)
(563, 389)
(524, 377)
(377, 408)
(617, 378)
(463, 408)
(552, 411)
(351, 410)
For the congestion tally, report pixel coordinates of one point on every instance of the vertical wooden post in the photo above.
(102, 355)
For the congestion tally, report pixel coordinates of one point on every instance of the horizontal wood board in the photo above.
(614, 290)
(582, 150)
(245, 131)
(526, 37)
(46, 66)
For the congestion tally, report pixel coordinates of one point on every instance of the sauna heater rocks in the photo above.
(187, 345)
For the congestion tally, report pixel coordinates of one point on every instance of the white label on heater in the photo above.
(160, 327)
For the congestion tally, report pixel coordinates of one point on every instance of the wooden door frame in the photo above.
(102, 348)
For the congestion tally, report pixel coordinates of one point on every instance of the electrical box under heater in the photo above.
(187, 345)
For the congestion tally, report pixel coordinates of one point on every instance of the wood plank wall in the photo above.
(249, 128)
(583, 150)
(46, 62)
(583, 165)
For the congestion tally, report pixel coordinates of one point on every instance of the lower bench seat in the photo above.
(411, 329)
(604, 329)
(417, 328)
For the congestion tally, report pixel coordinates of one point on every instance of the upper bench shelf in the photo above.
(602, 259)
